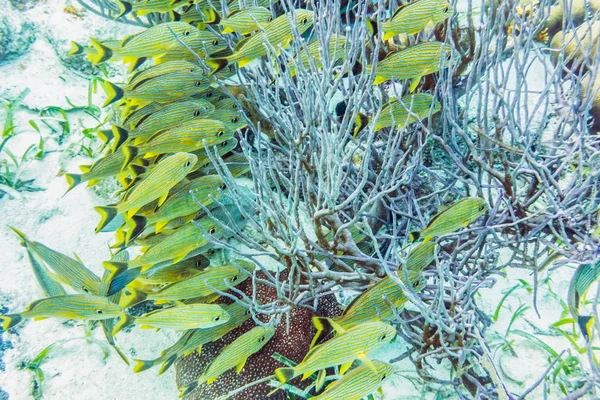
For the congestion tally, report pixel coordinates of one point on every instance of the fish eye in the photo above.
(212, 230)
(448, 56)
(482, 207)
(416, 284)
(383, 337)
(99, 312)
(269, 19)
(186, 33)
(223, 187)
(199, 263)
(383, 377)
(304, 21)
(209, 95)
(234, 278)
(188, 163)
(220, 132)
(446, 9)
(86, 290)
(198, 83)
(215, 42)
(224, 144)
(235, 120)
(196, 113)
(217, 318)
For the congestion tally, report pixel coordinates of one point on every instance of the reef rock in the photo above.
(15, 39)
(293, 345)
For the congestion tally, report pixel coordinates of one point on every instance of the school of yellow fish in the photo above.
(169, 116)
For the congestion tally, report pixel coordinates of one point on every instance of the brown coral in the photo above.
(293, 345)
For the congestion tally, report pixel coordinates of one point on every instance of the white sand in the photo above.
(78, 370)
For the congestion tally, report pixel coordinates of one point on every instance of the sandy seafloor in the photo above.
(78, 370)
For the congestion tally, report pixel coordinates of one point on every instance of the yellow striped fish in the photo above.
(135, 117)
(372, 305)
(183, 202)
(164, 69)
(170, 116)
(337, 52)
(278, 33)
(174, 248)
(458, 215)
(49, 286)
(183, 138)
(583, 278)
(247, 20)
(396, 113)
(62, 268)
(413, 63)
(168, 172)
(163, 89)
(222, 149)
(69, 306)
(237, 164)
(194, 340)
(142, 8)
(158, 40)
(206, 283)
(180, 317)
(175, 273)
(90, 51)
(358, 383)
(342, 350)
(413, 17)
(233, 356)
(107, 166)
(185, 242)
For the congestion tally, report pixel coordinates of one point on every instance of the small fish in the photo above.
(145, 7)
(396, 113)
(236, 5)
(156, 41)
(458, 215)
(157, 184)
(413, 17)
(70, 306)
(342, 350)
(164, 89)
(183, 202)
(207, 282)
(155, 71)
(247, 20)
(49, 286)
(77, 49)
(62, 268)
(186, 137)
(413, 63)
(180, 317)
(374, 303)
(358, 383)
(175, 273)
(203, 159)
(185, 242)
(107, 166)
(278, 33)
(237, 164)
(233, 355)
(207, 14)
(194, 339)
(133, 117)
(170, 116)
(585, 275)
(337, 52)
